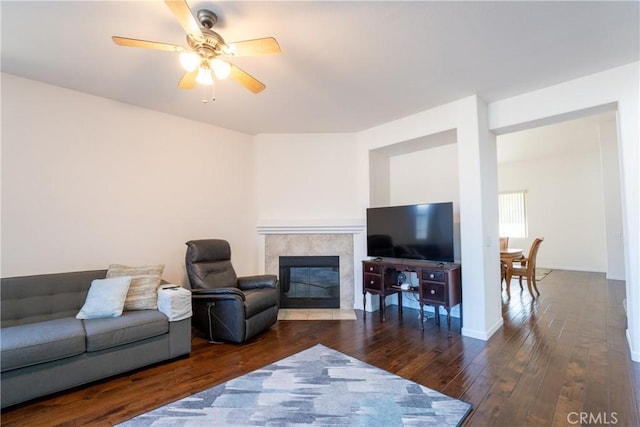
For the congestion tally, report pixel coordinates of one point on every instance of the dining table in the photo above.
(508, 256)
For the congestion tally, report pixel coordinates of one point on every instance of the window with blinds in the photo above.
(513, 214)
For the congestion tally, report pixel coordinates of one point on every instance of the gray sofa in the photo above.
(45, 349)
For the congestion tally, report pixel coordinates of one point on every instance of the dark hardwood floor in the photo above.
(557, 358)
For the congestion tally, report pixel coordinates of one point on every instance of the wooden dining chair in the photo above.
(527, 268)
(504, 245)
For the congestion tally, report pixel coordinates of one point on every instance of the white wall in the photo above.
(565, 207)
(560, 168)
(87, 182)
(426, 176)
(609, 156)
(306, 177)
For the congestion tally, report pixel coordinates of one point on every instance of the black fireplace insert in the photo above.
(309, 282)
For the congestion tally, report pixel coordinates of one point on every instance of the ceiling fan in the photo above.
(203, 58)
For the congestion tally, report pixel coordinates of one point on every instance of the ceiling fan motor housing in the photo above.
(207, 18)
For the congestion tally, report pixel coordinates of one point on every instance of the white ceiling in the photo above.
(344, 67)
(563, 139)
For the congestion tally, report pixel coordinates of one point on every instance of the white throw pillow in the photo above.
(105, 298)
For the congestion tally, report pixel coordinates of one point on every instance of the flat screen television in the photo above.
(417, 232)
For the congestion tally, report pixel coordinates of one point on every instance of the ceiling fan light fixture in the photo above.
(204, 76)
(221, 68)
(189, 60)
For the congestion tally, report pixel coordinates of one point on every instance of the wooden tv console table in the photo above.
(439, 285)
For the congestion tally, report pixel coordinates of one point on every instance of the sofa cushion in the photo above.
(257, 300)
(143, 292)
(131, 326)
(31, 299)
(105, 298)
(34, 343)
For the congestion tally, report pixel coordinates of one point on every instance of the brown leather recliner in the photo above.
(225, 307)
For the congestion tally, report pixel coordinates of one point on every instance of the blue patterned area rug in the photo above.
(316, 387)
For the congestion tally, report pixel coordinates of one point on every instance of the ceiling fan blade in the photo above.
(188, 81)
(246, 80)
(181, 10)
(124, 41)
(264, 46)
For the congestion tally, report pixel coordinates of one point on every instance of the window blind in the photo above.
(513, 214)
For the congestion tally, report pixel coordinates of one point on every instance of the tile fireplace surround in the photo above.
(310, 241)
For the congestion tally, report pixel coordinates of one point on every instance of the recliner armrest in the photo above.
(217, 293)
(257, 282)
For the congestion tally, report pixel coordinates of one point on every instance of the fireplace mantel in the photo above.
(350, 226)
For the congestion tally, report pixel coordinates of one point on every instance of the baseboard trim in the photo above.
(635, 355)
(483, 335)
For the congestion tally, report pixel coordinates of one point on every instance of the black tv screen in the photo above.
(421, 232)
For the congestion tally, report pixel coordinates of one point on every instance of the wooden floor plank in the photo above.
(561, 354)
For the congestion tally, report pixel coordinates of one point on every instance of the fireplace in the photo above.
(296, 241)
(309, 281)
